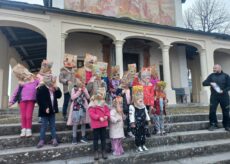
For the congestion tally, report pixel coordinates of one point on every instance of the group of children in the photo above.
(124, 104)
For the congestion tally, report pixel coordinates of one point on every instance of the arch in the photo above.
(196, 45)
(20, 24)
(92, 31)
(158, 41)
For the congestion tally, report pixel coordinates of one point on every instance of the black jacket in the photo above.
(44, 101)
(222, 79)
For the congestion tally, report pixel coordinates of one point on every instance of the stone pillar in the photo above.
(204, 93)
(55, 53)
(119, 54)
(167, 74)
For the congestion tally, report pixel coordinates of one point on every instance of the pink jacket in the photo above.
(74, 95)
(28, 92)
(95, 112)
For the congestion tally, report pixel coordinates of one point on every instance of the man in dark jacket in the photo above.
(219, 83)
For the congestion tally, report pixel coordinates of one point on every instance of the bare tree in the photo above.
(208, 16)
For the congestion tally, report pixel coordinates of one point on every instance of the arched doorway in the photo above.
(186, 72)
(25, 46)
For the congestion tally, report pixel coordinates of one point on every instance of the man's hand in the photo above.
(47, 110)
(133, 125)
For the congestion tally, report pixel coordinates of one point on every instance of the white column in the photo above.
(55, 53)
(119, 54)
(167, 74)
(204, 93)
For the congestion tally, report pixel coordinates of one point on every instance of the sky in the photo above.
(40, 2)
(188, 3)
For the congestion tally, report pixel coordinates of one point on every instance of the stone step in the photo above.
(221, 158)
(10, 142)
(190, 117)
(157, 154)
(14, 129)
(67, 150)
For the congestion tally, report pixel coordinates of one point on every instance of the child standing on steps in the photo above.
(159, 111)
(116, 129)
(79, 110)
(47, 96)
(99, 115)
(25, 95)
(138, 117)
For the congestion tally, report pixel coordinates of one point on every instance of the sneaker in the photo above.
(74, 141)
(23, 132)
(28, 133)
(212, 128)
(139, 149)
(84, 140)
(130, 134)
(54, 142)
(40, 144)
(145, 148)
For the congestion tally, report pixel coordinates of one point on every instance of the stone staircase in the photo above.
(188, 141)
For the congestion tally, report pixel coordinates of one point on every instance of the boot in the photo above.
(104, 155)
(96, 155)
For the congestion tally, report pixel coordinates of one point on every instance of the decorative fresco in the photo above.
(156, 11)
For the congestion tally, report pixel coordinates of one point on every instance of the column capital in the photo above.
(119, 42)
(64, 35)
(165, 47)
(201, 51)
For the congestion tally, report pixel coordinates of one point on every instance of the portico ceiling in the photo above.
(30, 45)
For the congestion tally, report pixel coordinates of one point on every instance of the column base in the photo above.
(171, 96)
(5, 100)
(204, 97)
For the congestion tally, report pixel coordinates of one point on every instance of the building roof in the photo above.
(13, 5)
(33, 49)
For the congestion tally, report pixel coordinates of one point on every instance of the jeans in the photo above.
(66, 103)
(45, 121)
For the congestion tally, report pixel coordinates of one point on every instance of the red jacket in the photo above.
(148, 95)
(95, 112)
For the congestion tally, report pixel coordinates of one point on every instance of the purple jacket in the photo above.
(28, 92)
